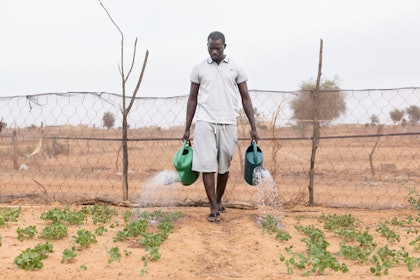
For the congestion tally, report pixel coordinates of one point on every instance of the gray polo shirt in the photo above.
(218, 96)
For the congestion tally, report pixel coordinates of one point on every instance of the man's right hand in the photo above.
(186, 136)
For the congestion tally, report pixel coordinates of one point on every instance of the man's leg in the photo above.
(209, 185)
(221, 186)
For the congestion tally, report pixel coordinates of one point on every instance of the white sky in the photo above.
(59, 46)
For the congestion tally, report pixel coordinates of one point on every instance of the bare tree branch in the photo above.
(132, 62)
(139, 81)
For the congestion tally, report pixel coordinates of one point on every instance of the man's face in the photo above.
(216, 48)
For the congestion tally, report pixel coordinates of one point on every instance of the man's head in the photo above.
(216, 46)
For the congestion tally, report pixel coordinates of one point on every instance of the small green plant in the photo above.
(9, 215)
(270, 224)
(413, 199)
(354, 253)
(31, 259)
(69, 255)
(100, 230)
(54, 231)
(83, 267)
(300, 217)
(127, 216)
(26, 233)
(416, 243)
(332, 222)
(57, 215)
(85, 238)
(318, 258)
(101, 214)
(133, 229)
(388, 233)
(114, 254)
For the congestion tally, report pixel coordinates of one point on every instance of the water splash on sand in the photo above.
(157, 190)
(268, 198)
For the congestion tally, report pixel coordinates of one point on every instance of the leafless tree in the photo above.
(126, 109)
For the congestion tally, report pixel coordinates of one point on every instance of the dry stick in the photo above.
(45, 191)
(315, 134)
(276, 145)
(372, 169)
(15, 150)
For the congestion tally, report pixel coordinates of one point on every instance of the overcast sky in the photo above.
(60, 46)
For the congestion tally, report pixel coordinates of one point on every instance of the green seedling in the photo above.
(127, 216)
(318, 258)
(413, 199)
(54, 231)
(57, 215)
(69, 255)
(271, 225)
(114, 254)
(9, 215)
(333, 222)
(100, 230)
(101, 214)
(31, 259)
(85, 238)
(388, 233)
(133, 229)
(26, 233)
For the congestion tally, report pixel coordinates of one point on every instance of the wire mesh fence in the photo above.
(54, 146)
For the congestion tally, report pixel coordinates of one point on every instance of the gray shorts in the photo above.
(213, 147)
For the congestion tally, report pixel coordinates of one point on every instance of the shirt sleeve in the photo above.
(195, 78)
(242, 76)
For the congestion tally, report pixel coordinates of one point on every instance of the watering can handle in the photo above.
(185, 143)
(254, 146)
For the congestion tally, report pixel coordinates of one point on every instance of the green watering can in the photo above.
(183, 162)
(253, 158)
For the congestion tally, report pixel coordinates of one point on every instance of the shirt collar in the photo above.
(210, 61)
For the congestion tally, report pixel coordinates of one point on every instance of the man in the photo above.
(216, 85)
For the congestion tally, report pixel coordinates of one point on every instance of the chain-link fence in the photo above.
(54, 146)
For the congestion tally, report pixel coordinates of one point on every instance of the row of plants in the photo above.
(357, 244)
(148, 229)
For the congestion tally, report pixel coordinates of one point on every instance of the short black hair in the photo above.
(216, 35)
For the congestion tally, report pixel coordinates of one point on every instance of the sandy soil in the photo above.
(234, 248)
